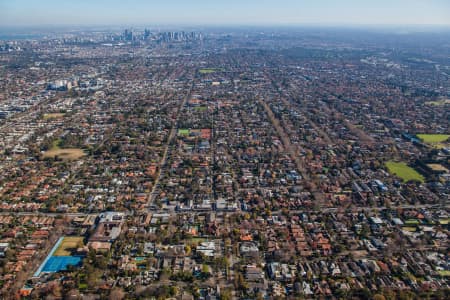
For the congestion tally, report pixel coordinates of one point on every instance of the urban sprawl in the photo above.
(225, 164)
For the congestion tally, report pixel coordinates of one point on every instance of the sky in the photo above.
(223, 12)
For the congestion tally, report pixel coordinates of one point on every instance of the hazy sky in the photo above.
(201, 12)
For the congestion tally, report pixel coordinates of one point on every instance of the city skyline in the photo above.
(200, 12)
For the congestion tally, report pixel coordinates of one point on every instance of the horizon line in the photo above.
(274, 24)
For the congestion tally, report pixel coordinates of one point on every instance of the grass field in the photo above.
(410, 229)
(437, 167)
(433, 138)
(444, 221)
(412, 222)
(403, 171)
(201, 108)
(53, 116)
(82, 286)
(440, 102)
(209, 70)
(65, 154)
(68, 243)
(184, 131)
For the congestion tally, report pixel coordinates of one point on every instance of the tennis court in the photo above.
(60, 263)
